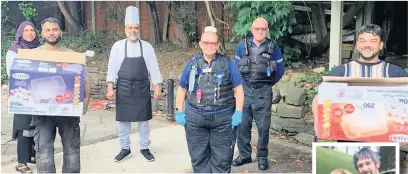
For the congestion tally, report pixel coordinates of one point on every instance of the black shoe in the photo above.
(123, 154)
(146, 153)
(239, 161)
(262, 164)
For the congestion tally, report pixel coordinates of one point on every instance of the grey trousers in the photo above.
(125, 130)
(44, 138)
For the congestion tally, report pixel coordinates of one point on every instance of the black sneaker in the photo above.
(146, 153)
(123, 154)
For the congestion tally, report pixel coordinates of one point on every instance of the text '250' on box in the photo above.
(363, 109)
(49, 83)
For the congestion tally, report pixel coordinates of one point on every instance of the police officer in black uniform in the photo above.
(213, 111)
(260, 63)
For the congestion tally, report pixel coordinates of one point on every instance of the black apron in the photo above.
(133, 100)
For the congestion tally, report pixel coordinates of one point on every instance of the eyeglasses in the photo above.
(209, 43)
(260, 29)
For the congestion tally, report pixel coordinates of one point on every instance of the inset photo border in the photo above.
(355, 158)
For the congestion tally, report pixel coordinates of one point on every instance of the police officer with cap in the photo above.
(260, 63)
(213, 86)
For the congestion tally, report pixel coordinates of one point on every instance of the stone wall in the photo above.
(161, 103)
(289, 110)
(288, 114)
(97, 76)
(403, 161)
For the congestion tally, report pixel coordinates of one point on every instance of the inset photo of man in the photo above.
(356, 158)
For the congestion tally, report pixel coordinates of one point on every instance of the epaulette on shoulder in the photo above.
(271, 46)
(195, 57)
(223, 56)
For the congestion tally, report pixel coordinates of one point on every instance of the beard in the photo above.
(369, 171)
(56, 41)
(375, 54)
(132, 37)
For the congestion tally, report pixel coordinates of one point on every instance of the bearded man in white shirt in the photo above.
(132, 61)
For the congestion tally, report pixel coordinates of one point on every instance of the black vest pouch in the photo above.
(272, 66)
(262, 64)
(244, 66)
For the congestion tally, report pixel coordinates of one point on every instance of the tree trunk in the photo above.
(60, 17)
(73, 23)
(154, 32)
(387, 24)
(183, 36)
(74, 10)
(319, 21)
(210, 15)
(167, 8)
(181, 32)
(222, 40)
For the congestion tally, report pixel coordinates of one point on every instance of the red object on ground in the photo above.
(99, 104)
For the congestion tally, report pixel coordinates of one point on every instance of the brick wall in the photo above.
(110, 17)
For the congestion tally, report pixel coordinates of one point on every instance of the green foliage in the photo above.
(290, 52)
(4, 9)
(310, 94)
(280, 16)
(315, 78)
(6, 41)
(96, 41)
(328, 160)
(113, 15)
(406, 70)
(28, 10)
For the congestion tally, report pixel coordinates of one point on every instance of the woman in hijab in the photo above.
(26, 38)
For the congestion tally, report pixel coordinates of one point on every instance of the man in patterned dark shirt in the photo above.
(370, 42)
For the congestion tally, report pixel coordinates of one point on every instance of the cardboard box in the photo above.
(363, 109)
(48, 83)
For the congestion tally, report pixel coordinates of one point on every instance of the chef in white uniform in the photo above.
(132, 62)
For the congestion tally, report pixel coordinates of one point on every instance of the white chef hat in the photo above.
(132, 15)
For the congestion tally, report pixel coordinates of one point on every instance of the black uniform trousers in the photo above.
(25, 145)
(211, 141)
(25, 148)
(257, 106)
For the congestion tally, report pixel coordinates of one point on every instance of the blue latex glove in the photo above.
(180, 118)
(236, 118)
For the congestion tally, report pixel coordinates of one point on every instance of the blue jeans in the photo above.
(44, 138)
(124, 134)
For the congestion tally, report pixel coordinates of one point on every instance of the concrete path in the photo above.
(96, 126)
(99, 146)
(168, 146)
